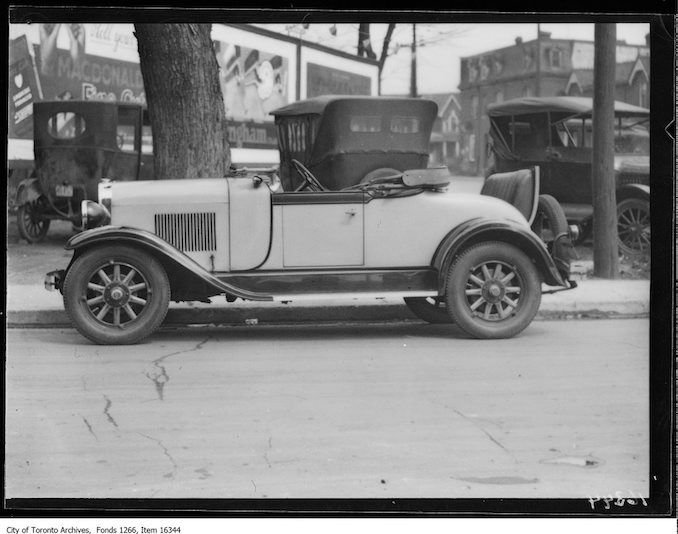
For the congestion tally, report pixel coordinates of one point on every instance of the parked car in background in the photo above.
(76, 145)
(555, 133)
(471, 259)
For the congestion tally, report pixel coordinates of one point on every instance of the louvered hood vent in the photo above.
(188, 232)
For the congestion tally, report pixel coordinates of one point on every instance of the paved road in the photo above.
(335, 411)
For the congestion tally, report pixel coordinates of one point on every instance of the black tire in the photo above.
(633, 226)
(479, 298)
(32, 225)
(116, 295)
(550, 221)
(432, 310)
(381, 172)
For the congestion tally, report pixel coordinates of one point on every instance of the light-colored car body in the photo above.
(258, 229)
(243, 237)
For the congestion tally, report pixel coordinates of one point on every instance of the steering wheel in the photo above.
(310, 181)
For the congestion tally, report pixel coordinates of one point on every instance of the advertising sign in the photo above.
(23, 89)
(253, 84)
(328, 81)
(68, 70)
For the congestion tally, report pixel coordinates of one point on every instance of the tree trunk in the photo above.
(185, 102)
(605, 247)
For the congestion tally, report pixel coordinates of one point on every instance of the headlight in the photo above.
(93, 215)
(105, 192)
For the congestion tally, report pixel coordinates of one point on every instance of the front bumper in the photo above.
(54, 280)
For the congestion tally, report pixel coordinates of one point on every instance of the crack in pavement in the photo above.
(270, 444)
(158, 374)
(89, 427)
(490, 436)
(106, 412)
(175, 466)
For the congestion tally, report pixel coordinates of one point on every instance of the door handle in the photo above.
(350, 213)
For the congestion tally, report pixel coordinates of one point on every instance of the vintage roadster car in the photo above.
(465, 258)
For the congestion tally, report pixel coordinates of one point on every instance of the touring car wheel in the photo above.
(429, 309)
(493, 291)
(117, 295)
(633, 226)
(32, 225)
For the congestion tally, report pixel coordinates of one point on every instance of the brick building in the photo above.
(541, 67)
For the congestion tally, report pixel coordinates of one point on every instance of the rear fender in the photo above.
(188, 280)
(480, 230)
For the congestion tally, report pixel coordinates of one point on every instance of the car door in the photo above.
(322, 229)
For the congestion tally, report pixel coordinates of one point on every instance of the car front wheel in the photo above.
(493, 291)
(117, 295)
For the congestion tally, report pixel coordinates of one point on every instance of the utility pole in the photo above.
(605, 247)
(538, 59)
(413, 69)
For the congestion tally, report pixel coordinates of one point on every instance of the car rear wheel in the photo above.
(429, 309)
(117, 295)
(493, 291)
(32, 225)
(633, 226)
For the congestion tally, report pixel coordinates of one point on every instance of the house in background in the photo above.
(632, 82)
(444, 146)
(541, 67)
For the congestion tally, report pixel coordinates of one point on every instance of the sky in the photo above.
(438, 61)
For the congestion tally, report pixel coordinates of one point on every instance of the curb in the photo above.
(317, 314)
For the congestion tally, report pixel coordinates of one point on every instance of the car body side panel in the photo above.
(250, 224)
(405, 232)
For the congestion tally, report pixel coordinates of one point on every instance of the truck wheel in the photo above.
(32, 225)
(493, 291)
(633, 226)
(117, 295)
(432, 310)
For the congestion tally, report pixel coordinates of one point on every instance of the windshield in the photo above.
(631, 134)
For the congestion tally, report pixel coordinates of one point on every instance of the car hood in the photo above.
(632, 163)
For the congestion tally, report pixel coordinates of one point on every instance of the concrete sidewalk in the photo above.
(32, 305)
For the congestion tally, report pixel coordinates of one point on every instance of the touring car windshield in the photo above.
(631, 134)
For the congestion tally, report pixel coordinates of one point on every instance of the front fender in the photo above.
(29, 190)
(633, 191)
(174, 260)
(483, 229)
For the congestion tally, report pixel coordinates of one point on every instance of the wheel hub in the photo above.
(493, 291)
(116, 295)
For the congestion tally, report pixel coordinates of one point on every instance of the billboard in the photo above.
(253, 84)
(24, 89)
(322, 80)
(259, 71)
